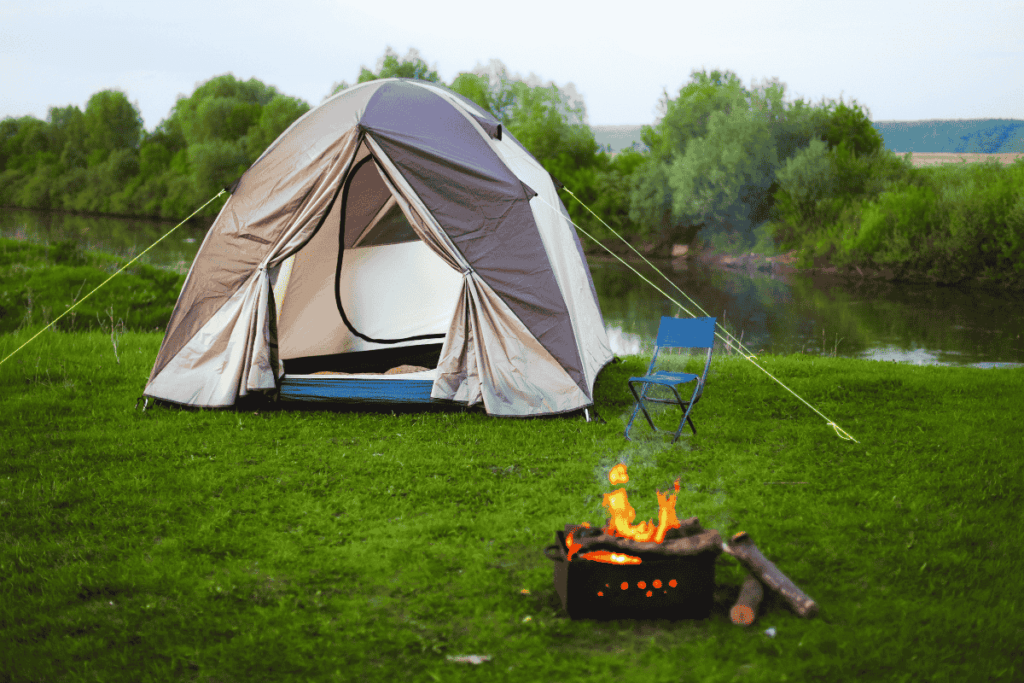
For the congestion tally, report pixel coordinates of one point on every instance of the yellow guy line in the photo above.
(70, 308)
(840, 432)
(736, 341)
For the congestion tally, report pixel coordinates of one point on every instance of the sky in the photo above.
(904, 61)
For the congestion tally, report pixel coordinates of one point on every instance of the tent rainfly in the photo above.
(393, 225)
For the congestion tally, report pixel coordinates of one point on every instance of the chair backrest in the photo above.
(694, 333)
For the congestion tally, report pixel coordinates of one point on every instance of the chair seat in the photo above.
(665, 378)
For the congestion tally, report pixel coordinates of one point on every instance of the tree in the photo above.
(687, 117)
(223, 108)
(68, 133)
(850, 125)
(274, 119)
(474, 87)
(410, 66)
(723, 175)
(714, 156)
(21, 141)
(211, 138)
(111, 122)
(550, 124)
(491, 86)
(684, 119)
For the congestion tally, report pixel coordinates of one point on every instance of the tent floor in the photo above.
(301, 384)
(360, 389)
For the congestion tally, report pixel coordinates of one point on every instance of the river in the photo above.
(911, 323)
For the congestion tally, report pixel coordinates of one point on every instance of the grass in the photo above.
(173, 545)
(37, 281)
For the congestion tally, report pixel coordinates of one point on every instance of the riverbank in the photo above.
(784, 265)
(39, 282)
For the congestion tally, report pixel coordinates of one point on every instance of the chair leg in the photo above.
(638, 406)
(685, 420)
(629, 425)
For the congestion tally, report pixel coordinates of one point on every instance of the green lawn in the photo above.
(310, 545)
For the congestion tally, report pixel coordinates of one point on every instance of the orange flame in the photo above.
(573, 547)
(610, 557)
(622, 513)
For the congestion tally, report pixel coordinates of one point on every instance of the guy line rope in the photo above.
(840, 432)
(72, 306)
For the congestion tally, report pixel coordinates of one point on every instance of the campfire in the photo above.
(657, 570)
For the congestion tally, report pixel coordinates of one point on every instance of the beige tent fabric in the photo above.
(261, 370)
(208, 370)
(489, 356)
(224, 353)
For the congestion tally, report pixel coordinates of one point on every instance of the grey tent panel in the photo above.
(364, 196)
(486, 212)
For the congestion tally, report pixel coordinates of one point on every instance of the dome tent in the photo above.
(393, 218)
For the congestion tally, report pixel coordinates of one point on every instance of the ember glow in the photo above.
(610, 557)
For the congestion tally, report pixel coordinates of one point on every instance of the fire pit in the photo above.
(662, 571)
(640, 584)
(627, 571)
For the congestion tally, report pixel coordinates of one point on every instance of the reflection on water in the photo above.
(125, 237)
(623, 343)
(919, 324)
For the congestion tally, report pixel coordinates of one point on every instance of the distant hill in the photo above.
(966, 135)
(969, 135)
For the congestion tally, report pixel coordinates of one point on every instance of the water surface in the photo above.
(914, 323)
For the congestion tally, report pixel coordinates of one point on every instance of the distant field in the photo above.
(928, 138)
(933, 158)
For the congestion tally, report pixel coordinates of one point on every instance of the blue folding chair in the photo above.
(693, 333)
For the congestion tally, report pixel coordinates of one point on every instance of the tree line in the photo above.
(725, 164)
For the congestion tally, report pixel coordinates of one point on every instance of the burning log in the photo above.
(744, 612)
(742, 547)
(688, 527)
(705, 540)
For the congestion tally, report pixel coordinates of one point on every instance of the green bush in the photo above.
(893, 226)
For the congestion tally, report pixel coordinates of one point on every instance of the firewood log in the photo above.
(744, 612)
(706, 541)
(742, 547)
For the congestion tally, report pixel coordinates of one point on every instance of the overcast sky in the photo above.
(903, 60)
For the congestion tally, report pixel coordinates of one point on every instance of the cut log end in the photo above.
(744, 612)
(741, 615)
